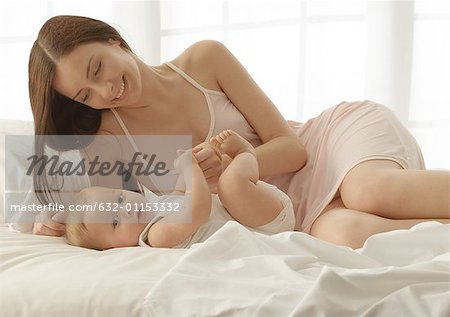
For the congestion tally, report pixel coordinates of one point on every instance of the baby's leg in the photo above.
(249, 204)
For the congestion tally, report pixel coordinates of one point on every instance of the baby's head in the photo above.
(104, 218)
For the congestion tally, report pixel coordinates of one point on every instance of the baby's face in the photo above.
(117, 217)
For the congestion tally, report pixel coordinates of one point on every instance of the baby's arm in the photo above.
(175, 228)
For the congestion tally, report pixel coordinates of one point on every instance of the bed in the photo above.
(234, 273)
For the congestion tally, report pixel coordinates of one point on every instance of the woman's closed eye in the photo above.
(97, 71)
(86, 97)
(99, 67)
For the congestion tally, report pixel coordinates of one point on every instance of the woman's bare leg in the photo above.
(249, 204)
(351, 228)
(383, 188)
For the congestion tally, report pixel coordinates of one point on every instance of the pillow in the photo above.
(9, 127)
(13, 165)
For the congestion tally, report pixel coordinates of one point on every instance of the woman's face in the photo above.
(101, 75)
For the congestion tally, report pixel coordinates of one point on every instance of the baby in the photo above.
(241, 196)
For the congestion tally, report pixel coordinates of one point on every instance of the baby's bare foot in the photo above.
(232, 143)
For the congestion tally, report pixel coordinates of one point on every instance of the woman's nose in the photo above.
(107, 91)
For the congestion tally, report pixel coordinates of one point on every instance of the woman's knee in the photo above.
(370, 189)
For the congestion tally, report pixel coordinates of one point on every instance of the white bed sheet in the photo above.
(240, 273)
(234, 273)
(43, 276)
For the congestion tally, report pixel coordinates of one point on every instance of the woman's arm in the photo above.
(281, 150)
(177, 227)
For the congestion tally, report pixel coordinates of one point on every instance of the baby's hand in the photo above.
(184, 161)
(210, 161)
(47, 224)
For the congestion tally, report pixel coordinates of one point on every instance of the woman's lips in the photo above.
(123, 89)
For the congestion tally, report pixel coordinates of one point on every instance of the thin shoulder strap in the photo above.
(124, 128)
(212, 115)
(134, 145)
(187, 77)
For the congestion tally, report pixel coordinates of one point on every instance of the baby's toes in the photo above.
(229, 133)
(220, 138)
(214, 142)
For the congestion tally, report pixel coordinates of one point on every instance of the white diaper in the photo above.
(285, 221)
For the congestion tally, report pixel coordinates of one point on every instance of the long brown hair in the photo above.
(55, 114)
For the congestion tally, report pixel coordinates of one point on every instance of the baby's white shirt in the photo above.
(219, 216)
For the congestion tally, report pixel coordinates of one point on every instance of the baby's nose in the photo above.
(129, 209)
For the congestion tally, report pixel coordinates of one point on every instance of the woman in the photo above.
(351, 172)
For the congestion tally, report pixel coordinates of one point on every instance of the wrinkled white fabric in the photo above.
(240, 273)
(42, 276)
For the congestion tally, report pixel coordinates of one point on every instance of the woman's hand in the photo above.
(210, 162)
(45, 225)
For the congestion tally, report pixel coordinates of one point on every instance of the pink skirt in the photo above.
(337, 140)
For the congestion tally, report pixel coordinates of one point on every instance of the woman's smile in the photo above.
(122, 89)
(109, 85)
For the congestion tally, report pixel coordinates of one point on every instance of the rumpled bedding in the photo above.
(241, 273)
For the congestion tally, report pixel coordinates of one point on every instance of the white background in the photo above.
(306, 55)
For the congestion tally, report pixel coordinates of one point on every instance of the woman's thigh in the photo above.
(342, 226)
(347, 227)
(384, 188)
(351, 228)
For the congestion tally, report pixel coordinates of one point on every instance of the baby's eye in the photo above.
(115, 221)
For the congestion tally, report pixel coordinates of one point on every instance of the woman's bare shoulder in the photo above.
(200, 51)
(197, 61)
